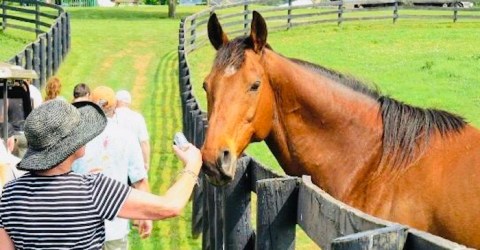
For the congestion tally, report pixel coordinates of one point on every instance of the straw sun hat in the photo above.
(56, 129)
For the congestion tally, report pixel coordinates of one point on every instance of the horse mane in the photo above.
(406, 129)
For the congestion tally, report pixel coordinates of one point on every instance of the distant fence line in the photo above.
(78, 3)
(222, 215)
(50, 23)
(288, 16)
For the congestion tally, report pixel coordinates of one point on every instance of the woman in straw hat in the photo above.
(52, 207)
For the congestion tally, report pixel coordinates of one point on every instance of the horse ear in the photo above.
(258, 32)
(215, 33)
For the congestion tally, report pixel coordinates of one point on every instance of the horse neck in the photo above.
(322, 127)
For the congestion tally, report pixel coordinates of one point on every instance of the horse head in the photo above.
(239, 96)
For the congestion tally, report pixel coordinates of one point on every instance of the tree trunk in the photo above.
(171, 8)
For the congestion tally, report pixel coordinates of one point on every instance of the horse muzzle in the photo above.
(220, 171)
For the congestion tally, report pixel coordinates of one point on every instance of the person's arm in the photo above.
(145, 206)
(7, 243)
(142, 185)
(145, 145)
(144, 226)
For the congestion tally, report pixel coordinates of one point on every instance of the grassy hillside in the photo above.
(13, 41)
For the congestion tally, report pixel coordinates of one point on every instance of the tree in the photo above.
(171, 8)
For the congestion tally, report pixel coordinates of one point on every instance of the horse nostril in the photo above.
(226, 156)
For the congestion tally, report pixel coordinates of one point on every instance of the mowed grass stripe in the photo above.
(161, 167)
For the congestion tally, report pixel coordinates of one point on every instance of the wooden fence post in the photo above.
(4, 12)
(68, 31)
(64, 35)
(55, 61)
(219, 218)
(37, 19)
(395, 11)
(43, 60)
(207, 215)
(455, 10)
(192, 30)
(19, 58)
(289, 15)
(191, 125)
(238, 231)
(198, 192)
(28, 58)
(245, 17)
(49, 51)
(36, 60)
(212, 237)
(277, 201)
(58, 43)
(340, 13)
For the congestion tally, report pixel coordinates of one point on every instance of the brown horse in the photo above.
(419, 167)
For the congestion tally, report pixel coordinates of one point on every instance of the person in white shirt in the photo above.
(35, 96)
(8, 162)
(115, 153)
(134, 122)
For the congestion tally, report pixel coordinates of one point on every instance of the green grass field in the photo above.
(426, 63)
(12, 42)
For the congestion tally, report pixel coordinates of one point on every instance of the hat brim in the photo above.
(92, 123)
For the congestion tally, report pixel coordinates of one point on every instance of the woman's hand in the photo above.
(190, 156)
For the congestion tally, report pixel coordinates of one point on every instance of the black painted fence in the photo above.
(50, 23)
(222, 215)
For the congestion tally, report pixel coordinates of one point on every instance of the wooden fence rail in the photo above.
(222, 215)
(47, 52)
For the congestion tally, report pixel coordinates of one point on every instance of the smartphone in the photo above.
(180, 140)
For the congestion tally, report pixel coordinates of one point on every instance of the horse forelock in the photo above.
(406, 129)
(232, 54)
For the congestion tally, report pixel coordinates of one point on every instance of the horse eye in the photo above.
(205, 86)
(255, 86)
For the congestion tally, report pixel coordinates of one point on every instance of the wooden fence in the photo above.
(222, 215)
(77, 3)
(51, 25)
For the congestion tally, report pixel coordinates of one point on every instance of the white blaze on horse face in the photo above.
(230, 70)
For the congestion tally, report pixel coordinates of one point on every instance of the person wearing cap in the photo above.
(117, 154)
(81, 92)
(134, 122)
(53, 207)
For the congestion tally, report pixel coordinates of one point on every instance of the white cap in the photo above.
(124, 96)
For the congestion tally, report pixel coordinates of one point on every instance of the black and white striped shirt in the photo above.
(60, 212)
